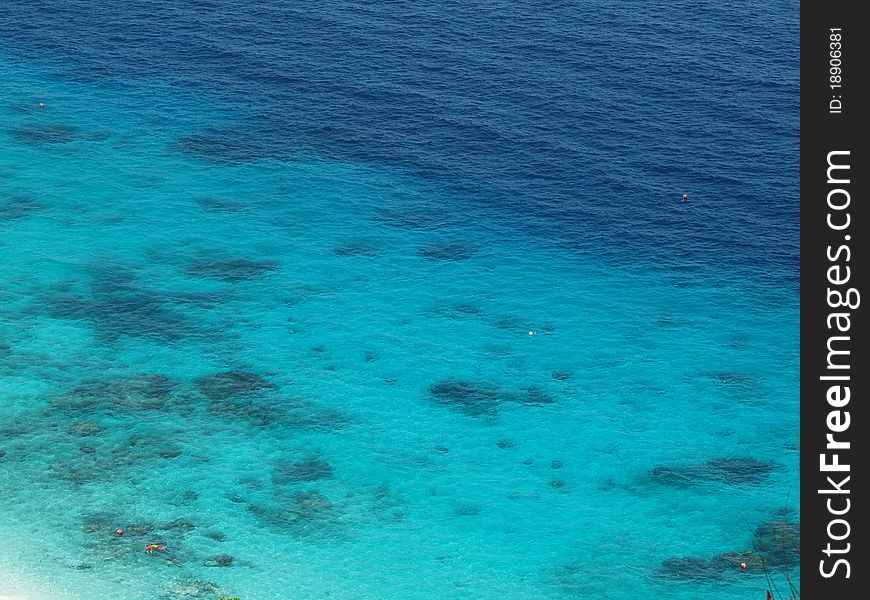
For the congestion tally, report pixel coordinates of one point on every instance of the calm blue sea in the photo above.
(397, 300)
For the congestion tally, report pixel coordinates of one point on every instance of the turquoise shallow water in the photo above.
(354, 381)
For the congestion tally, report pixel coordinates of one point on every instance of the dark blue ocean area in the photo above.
(399, 300)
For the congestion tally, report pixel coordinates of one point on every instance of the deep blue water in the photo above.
(417, 275)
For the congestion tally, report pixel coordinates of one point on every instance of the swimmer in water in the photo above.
(152, 547)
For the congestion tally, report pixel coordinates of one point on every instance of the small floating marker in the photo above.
(119, 531)
(42, 105)
(685, 197)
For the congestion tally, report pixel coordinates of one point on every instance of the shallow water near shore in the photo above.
(311, 373)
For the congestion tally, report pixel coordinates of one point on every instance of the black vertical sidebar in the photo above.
(835, 368)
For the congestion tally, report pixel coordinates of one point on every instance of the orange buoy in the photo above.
(119, 531)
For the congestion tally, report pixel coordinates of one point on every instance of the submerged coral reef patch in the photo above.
(232, 384)
(234, 144)
(308, 513)
(779, 542)
(116, 305)
(731, 470)
(690, 569)
(775, 544)
(18, 206)
(448, 251)
(478, 399)
(124, 394)
(469, 398)
(41, 134)
(231, 270)
(312, 468)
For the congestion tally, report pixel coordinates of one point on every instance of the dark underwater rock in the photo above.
(233, 144)
(234, 498)
(470, 398)
(139, 392)
(678, 476)
(355, 250)
(733, 561)
(195, 588)
(312, 504)
(480, 399)
(230, 269)
(139, 529)
(221, 205)
(700, 569)
(690, 569)
(78, 564)
(466, 510)
(512, 323)
(169, 452)
(217, 536)
(740, 471)
(251, 482)
(731, 470)
(469, 309)
(18, 207)
(315, 419)
(730, 378)
(252, 411)
(310, 469)
(533, 396)
(232, 384)
(779, 541)
(47, 134)
(776, 544)
(102, 522)
(85, 428)
(136, 314)
(448, 251)
(179, 525)
(42, 134)
(220, 560)
(308, 513)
